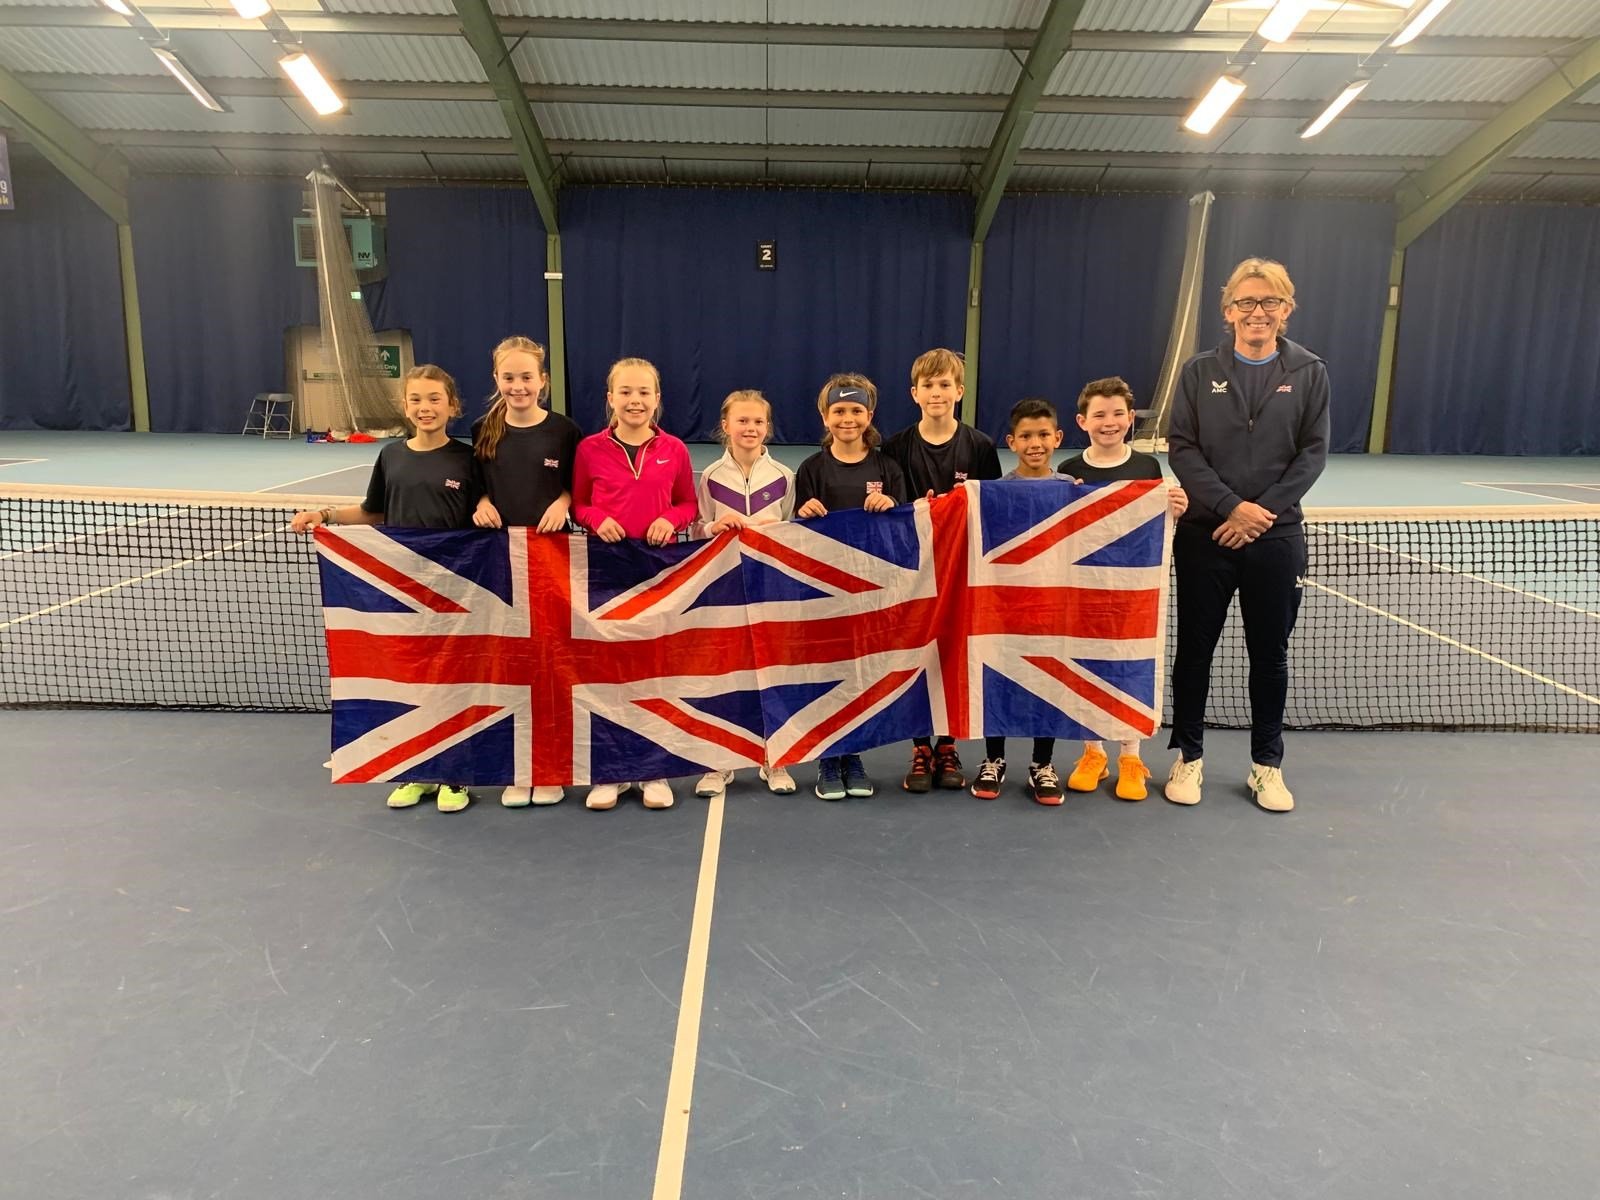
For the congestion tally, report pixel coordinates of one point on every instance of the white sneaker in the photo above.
(1267, 786)
(1183, 784)
(657, 793)
(604, 795)
(515, 797)
(549, 794)
(713, 783)
(778, 780)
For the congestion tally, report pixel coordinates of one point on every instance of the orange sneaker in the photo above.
(1131, 774)
(1091, 769)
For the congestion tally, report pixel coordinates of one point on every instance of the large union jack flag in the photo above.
(1027, 608)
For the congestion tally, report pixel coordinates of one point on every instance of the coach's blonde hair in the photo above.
(1274, 274)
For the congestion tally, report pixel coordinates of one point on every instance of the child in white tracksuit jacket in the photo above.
(746, 486)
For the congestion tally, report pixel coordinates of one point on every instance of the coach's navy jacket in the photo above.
(1223, 454)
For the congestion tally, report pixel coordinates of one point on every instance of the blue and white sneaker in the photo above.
(830, 779)
(856, 782)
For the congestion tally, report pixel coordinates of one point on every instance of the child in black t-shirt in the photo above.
(938, 454)
(1105, 413)
(848, 472)
(526, 453)
(428, 481)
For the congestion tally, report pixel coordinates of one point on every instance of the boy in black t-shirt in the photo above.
(1105, 413)
(848, 472)
(937, 454)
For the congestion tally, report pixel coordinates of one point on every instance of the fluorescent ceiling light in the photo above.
(1340, 103)
(312, 85)
(118, 7)
(250, 10)
(1414, 26)
(1279, 24)
(183, 75)
(1215, 105)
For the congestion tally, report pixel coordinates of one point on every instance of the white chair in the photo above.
(271, 415)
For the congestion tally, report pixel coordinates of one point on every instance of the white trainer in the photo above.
(604, 795)
(713, 783)
(548, 794)
(778, 780)
(657, 793)
(1183, 784)
(1267, 786)
(515, 797)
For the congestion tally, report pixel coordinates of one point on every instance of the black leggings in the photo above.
(1043, 749)
(1267, 575)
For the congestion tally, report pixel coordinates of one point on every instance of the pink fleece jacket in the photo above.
(605, 484)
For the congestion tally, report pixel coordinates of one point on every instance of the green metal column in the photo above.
(558, 323)
(134, 331)
(969, 400)
(1378, 435)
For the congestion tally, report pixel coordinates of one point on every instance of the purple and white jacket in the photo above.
(768, 495)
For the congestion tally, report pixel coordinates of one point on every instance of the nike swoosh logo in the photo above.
(849, 392)
(661, 462)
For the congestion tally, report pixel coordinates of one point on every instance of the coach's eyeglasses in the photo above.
(1247, 304)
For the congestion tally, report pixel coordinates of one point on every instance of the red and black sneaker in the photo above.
(947, 767)
(1046, 784)
(991, 774)
(920, 777)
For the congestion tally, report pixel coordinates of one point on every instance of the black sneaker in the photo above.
(947, 767)
(830, 779)
(920, 777)
(1046, 784)
(991, 774)
(856, 782)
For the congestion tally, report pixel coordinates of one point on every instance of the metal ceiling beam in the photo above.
(701, 97)
(1053, 40)
(95, 170)
(101, 174)
(482, 31)
(1055, 37)
(1422, 200)
(781, 34)
(918, 155)
(479, 27)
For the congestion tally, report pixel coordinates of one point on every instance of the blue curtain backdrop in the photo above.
(1337, 253)
(864, 282)
(63, 353)
(1075, 288)
(1499, 352)
(466, 269)
(217, 288)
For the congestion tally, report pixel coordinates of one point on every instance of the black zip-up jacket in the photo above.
(1223, 455)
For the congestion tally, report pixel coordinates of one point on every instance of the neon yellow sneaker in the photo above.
(408, 794)
(453, 799)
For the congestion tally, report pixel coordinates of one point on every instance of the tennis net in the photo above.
(1459, 618)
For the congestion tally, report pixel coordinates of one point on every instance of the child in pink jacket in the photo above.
(633, 481)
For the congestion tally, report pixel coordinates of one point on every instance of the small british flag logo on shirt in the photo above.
(552, 463)
(1286, 387)
(875, 488)
(961, 476)
(454, 484)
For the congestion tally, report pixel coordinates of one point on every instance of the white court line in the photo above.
(111, 587)
(685, 1050)
(319, 475)
(21, 462)
(94, 533)
(1450, 641)
(1428, 562)
(1506, 487)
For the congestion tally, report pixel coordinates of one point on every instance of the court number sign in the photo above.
(766, 256)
